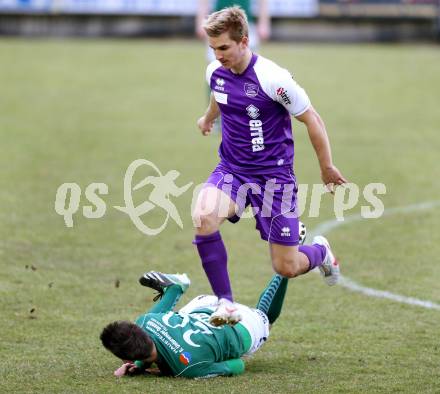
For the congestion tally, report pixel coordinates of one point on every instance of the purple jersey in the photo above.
(255, 110)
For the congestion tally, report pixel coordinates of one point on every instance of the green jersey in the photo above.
(191, 347)
(244, 4)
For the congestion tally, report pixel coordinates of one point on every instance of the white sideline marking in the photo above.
(350, 284)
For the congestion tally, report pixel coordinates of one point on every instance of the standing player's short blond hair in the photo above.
(232, 20)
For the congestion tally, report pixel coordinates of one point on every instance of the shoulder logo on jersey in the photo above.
(284, 96)
(253, 111)
(220, 83)
(285, 232)
(185, 358)
(251, 89)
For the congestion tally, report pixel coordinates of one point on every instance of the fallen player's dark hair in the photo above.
(126, 341)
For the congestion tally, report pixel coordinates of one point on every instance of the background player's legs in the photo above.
(212, 207)
(272, 298)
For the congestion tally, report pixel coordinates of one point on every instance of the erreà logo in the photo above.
(220, 84)
(285, 232)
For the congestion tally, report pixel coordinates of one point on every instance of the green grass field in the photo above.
(82, 111)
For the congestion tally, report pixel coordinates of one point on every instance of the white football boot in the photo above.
(226, 313)
(330, 267)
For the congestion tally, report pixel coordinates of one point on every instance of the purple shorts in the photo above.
(271, 196)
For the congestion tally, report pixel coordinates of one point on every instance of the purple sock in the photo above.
(214, 261)
(315, 253)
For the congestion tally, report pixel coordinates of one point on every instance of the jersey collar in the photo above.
(249, 66)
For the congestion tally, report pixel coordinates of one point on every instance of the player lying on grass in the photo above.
(184, 343)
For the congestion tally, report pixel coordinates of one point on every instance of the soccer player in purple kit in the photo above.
(255, 99)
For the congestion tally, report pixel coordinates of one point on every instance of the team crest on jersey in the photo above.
(251, 89)
(185, 358)
(284, 96)
(253, 111)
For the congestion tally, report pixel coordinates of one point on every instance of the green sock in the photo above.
(272, 298)
(169, 300)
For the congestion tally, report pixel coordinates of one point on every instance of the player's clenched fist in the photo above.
(204, 126)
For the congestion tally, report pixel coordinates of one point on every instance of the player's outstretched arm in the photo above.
(206, 122)
(231, 367)
(128, 369)
(319, 139)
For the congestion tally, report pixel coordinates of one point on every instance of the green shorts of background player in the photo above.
(182, 343)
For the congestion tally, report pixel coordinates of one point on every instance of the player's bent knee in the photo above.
(287, 271)
(205, 224)
(287, 266)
